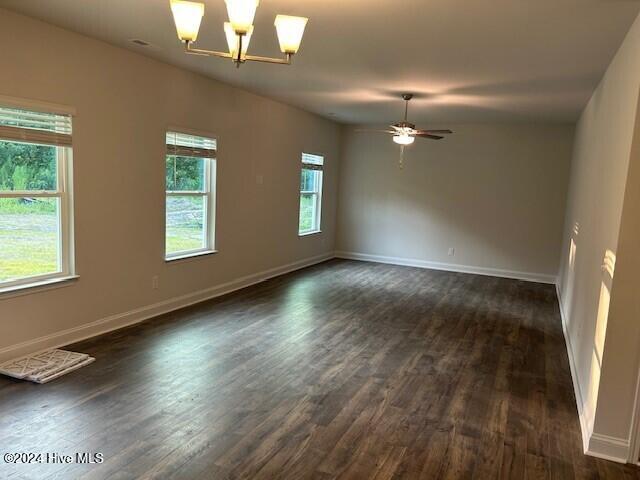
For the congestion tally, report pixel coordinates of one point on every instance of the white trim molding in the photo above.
(593, 444)
(634, 446)
(120, 320)
(450, 267)
(584, 421)
(608, 448)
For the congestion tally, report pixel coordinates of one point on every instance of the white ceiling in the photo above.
(467, 60)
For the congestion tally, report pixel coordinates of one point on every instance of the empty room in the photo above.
(281, 239)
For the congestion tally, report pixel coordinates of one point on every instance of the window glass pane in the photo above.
(185, 223)
(185, 174)
(25, 166)
(307, 212)
(308, 180)
(29, 237)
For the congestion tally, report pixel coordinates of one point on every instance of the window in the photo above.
(35, 205)
(310, 194)
(190, 187)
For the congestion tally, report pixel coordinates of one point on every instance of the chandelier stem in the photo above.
(239, 59)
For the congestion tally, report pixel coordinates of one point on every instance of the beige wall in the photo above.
(124, 103)
(595, 205)
(495, 193)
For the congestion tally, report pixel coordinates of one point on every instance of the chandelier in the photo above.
(238, 30)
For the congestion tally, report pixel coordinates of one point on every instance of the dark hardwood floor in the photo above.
(343, 370)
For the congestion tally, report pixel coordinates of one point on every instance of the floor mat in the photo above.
(45, 366)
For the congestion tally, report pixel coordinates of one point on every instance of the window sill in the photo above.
(37, 287)
(306, 234)
(188, 256)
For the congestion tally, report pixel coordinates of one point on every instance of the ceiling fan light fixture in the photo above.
(290, 31)
(233, 40)
(187, 17)
(403, 139)
(241, 14)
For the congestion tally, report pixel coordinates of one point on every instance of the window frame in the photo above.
(63, 193)
(208, 194)
(317, 192)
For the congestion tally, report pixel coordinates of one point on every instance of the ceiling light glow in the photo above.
(403, 139)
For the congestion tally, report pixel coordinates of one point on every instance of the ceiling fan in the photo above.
(404, 133)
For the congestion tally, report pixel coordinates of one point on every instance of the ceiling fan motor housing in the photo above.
(405, 125)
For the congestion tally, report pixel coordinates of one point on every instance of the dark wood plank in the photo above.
(347, 370)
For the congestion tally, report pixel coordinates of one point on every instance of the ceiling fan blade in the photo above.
(427, 135)
(364, 130)
(434, 131)
(395, 127)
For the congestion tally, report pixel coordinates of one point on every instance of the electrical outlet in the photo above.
(452, 251)
(155, 282)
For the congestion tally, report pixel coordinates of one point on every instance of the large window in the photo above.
(310, 194)
(190, 184)
(35, 204)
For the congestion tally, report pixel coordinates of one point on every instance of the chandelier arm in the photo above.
(209, 53)
(281, 61)
(253, 58)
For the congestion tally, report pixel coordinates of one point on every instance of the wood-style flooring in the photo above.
(345, 370)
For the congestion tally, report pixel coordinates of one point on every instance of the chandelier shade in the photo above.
(187, 17)
(290, 31)
(241, 14)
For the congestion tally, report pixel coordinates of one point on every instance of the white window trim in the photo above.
(318, 192)
(37, 286)
(210, 177)
(189, 256)
(66, 266)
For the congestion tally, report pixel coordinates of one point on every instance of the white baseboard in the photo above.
(450, 267)
(608, 448)
(593, 444)
(584, 422)
(114, 322)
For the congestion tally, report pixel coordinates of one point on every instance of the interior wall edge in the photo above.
(449, 267)
(131, 317)
(598, 325)
(593, 444)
